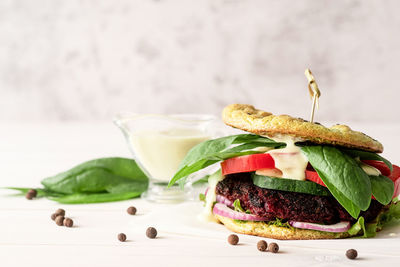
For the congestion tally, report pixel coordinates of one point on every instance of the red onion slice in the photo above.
(334, 228)
(224, 200)
(225, 211)
(221, 199)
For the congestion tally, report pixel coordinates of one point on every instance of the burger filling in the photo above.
(274, 204)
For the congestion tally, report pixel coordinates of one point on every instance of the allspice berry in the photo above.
(33, 192)
(122, 237)
(351, 254)
(151, 232)
(60, 212)
(131, 210)
(262, 245)
(59, 220)
(273, 247)
(233, 239)
(53, 216)
(68, 222)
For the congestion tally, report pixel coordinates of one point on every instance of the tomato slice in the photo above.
(248, 163)
(395, 174)
(314, 177)
(380, 165)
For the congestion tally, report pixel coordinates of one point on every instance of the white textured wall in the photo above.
(86, 60)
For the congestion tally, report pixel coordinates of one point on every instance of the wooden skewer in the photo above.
(314, 92)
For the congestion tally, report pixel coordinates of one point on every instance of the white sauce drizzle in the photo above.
(369, 169)
(211, 197)
(289, 160)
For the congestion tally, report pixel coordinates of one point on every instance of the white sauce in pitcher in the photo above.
(161, 152)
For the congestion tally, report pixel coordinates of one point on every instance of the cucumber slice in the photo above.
(290, 185)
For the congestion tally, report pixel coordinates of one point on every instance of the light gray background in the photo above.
(86, 60)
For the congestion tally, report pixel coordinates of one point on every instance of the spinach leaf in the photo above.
(99, 180)
(113, 175)
(382, 188)
(367, 155)
(213, 151)
(95, 198)
(344, 178)
(41, 192)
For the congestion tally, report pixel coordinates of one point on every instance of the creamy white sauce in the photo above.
(369, 169)
(211, 197)
(160, 153)
(289, 160)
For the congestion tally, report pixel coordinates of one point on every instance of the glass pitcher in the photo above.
(159, 143)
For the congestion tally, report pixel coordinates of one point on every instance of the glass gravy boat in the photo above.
(159, 143)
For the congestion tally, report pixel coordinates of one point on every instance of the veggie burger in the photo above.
(292, 179)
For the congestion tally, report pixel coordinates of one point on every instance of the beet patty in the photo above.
(288, 205)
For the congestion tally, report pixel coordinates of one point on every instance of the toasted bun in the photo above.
(277, 232)
(247, 118)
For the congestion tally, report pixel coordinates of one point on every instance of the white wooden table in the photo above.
(28, 237)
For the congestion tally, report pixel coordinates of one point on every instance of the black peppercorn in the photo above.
(151, 232)
(233, 239)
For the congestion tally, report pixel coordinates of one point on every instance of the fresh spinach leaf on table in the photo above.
(99, 180)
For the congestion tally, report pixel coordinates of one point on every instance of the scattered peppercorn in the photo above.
(351, 254)
(33, 192)
(53, 216)
(60, 212)
(29, 195)
(233, 239)
(122, 237)
(273, 247)
(131, 210)
(68, 222)
(59, 220)
(262, 245)
(151, 232)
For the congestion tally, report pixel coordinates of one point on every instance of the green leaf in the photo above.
(95, 198)
(114, 175)
(237, 206)
(382, 188)
(213, 151)
(392, 214)
(357, 227)
(100, 180)
(202, 197)
(367, 155)
(40, 191)
(344, 178)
